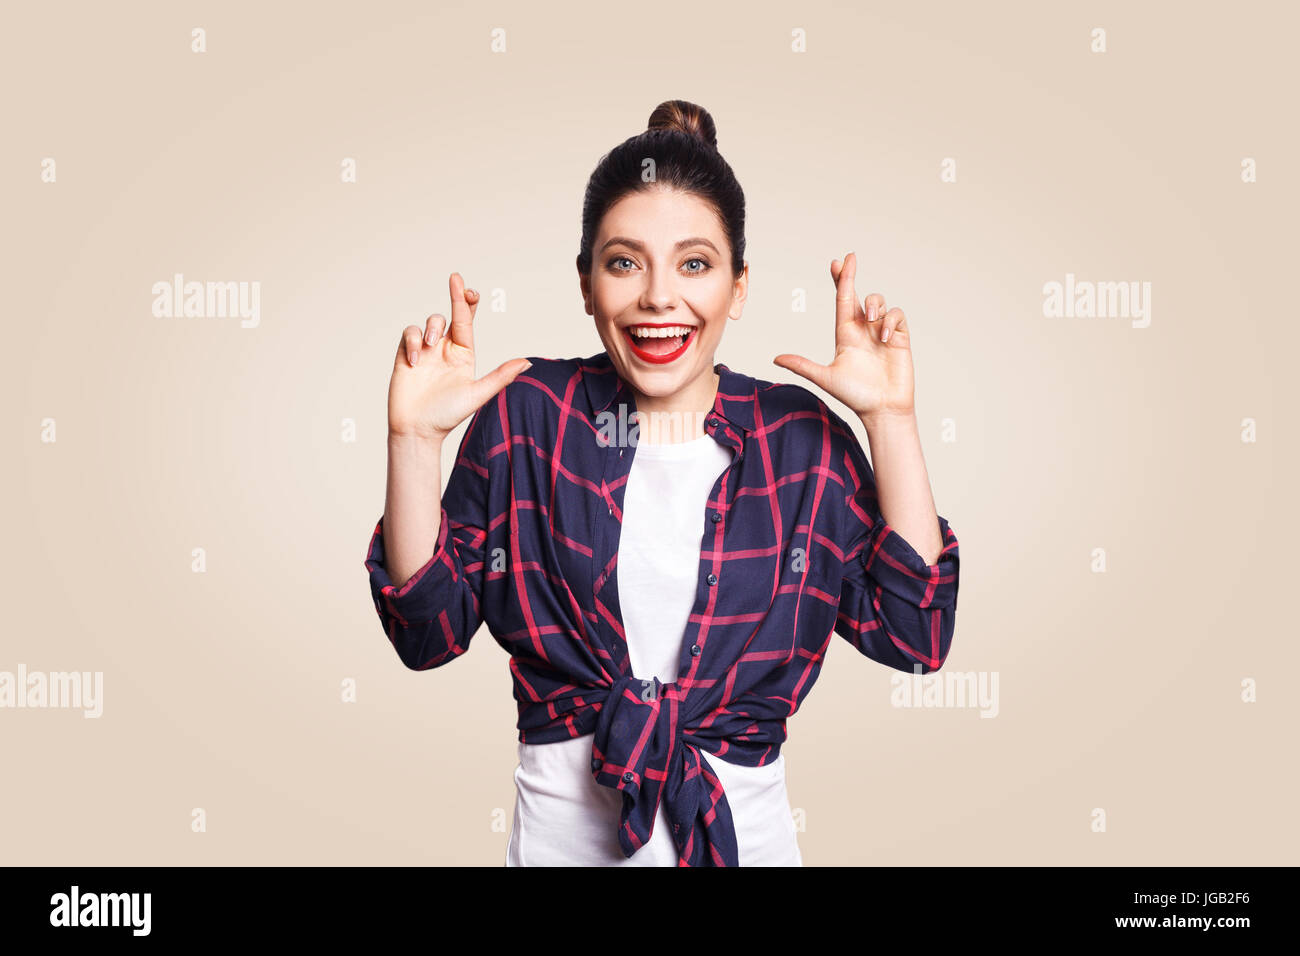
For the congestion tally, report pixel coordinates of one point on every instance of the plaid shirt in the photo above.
(793, 549)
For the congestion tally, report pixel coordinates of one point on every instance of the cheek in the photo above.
(712, 302)
(609, 301)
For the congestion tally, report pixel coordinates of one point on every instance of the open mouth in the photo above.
(659, 343)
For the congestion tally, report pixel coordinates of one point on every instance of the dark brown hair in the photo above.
(682, 141)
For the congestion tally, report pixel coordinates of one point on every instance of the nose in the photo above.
(660, 291)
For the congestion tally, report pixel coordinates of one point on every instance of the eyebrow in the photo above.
(640, 246)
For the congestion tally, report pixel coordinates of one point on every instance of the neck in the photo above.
(678, 417)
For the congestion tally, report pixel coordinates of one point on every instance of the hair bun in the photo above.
(685, 118)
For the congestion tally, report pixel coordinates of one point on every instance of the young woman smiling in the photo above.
(667, 595)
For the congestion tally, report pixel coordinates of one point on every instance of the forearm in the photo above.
(902, 484)
(413, 506)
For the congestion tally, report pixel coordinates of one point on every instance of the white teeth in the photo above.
(646, 333)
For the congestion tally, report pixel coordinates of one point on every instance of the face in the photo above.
(661, 291)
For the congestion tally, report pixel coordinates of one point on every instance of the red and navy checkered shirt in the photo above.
(793, 549)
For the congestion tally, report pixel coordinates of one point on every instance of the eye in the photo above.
(704, 264)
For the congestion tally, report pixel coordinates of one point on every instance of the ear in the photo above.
(584, 285)
(740, 292)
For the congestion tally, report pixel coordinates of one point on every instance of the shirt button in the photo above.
(712, 578)
(695, 650)
(716, 517)
(628, 776)
(713, 421)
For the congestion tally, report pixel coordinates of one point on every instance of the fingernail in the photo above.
(884, 336)
(871, 312)
(415, 359)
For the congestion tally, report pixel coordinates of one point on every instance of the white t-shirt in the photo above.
(563, 817)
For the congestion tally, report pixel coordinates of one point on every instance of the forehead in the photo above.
(660, 215)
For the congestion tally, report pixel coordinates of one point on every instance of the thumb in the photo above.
(817, 374)
(497, 379)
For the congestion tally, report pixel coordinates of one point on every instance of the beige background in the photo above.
(1119, 691)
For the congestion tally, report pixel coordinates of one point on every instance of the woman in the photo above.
(664, 546)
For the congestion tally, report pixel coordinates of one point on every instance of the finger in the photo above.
(875, 306)
(433, 327)
(497, 379)
(846, 297)
(472, 297)
(411, 345)
(462, 317)
(892, 322)
(815, 373)
(859, 313)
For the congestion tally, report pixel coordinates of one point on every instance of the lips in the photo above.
(641, 346)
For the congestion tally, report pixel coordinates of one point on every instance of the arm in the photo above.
(898, 605)
(412, 514)
(902, 483)
(434, 549)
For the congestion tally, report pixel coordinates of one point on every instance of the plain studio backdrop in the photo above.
(191, 496)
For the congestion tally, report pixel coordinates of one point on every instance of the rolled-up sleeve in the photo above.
(894, 608)
(431, 618)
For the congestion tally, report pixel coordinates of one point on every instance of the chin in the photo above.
(658, 383)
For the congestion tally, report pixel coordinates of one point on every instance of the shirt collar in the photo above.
(734, 401)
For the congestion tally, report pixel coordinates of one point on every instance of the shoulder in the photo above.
(546, 375)
(808, 427)
(788, 404)
(531, 402)
(779, 399)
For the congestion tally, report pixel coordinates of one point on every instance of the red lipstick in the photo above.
(652, 357)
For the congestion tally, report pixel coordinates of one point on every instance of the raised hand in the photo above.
(433, 388)
(871, 372)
